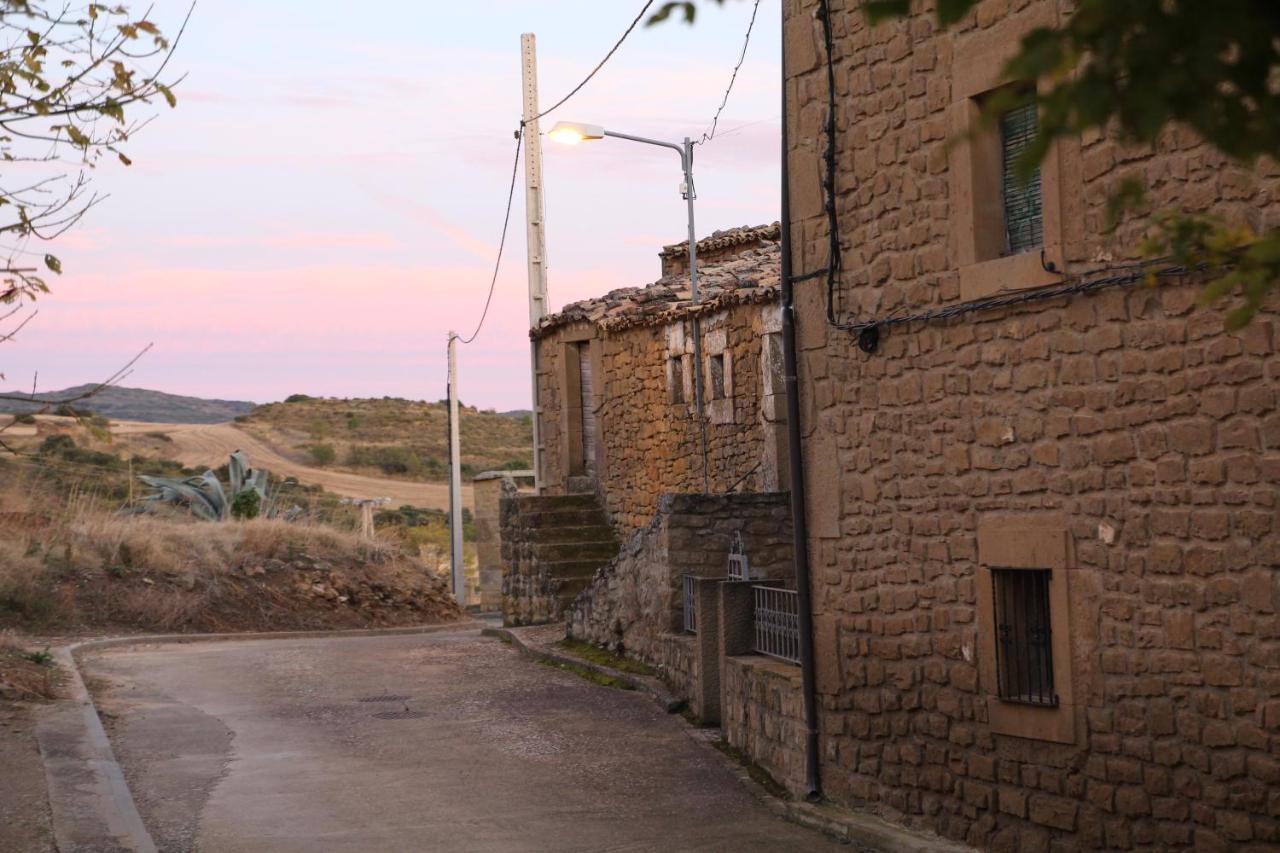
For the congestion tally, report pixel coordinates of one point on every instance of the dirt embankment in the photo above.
(210, 444)
(131, 573)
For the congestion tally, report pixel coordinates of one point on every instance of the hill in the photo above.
(391, 436)
(139, 404)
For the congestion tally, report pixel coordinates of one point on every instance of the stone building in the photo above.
(1043, 537)
(619, 428)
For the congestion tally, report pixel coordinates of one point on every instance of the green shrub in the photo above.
(322, 454)
(298, 398)
(57, 445)
(247, 504)
(391, 459)
(25, 419)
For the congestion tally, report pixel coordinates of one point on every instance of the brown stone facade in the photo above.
(646, 438)
(1121, 441)
(635, 603)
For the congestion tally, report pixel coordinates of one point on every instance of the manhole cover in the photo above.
(406, 714)
(387, 698)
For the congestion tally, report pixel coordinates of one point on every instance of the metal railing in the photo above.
(690, 604)
(777, 623)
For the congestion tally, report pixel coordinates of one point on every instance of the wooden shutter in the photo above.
(1024, 225)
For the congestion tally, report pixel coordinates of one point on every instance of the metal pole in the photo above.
(686, 158)
(535, 215)
(795, 454)
(455, 479)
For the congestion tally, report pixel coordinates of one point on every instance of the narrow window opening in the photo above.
(1024, 651)
(717, 377)
(1024, 223)
(677, 379)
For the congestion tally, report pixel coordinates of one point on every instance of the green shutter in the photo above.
(1024, 226)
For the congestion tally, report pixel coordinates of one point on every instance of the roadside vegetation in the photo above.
(391, 437)
(72, 559)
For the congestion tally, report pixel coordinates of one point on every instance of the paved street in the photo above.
(299, 745)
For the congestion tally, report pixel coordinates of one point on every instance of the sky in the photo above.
(325, 202)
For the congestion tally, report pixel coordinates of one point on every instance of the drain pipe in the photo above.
(799, 519)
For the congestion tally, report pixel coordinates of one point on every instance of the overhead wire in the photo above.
(710, 134)
(515, 166)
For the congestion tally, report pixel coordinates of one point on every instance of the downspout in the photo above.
(799, 518)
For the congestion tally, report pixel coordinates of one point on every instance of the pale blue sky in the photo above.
(325, 202)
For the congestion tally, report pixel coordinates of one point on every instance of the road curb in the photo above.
(862, 830)
(651, 687)
(89, 798)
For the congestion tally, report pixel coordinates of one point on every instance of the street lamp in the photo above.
(573, 132)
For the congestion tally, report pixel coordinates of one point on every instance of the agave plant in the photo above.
(205, 495)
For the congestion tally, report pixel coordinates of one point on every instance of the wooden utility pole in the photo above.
(455, 479)
(535, 215)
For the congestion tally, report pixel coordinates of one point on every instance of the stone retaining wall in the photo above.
(762, 714)
(635, 603)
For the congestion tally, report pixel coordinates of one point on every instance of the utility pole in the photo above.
(455, 480)
(535, 215)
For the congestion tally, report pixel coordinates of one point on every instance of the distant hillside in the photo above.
(390, 436)
(139, 404)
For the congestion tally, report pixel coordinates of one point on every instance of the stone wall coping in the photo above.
(767, 665)
(498, 475)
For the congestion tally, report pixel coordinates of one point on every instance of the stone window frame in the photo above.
(715, 344)
(679, 348)
(572, 444)
(977, 210)
(1021, 543)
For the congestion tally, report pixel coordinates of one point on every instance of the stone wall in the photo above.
(490, 487)
(635, 603)
(649, 444)
(1130, 418)
(762, 714)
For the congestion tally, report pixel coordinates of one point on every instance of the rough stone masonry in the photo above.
(1123, 436)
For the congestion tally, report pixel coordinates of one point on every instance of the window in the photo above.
(1025, 627)
(1023, 219)
(1006, 235)
(717, 377)
(677, 379)
(1024, 652)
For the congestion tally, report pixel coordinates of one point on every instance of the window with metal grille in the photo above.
(1024, 225)
(677, 379)
(1024, 652)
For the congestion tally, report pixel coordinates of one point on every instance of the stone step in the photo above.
(550, 552)
(564, 518)
(570, 588)
(573, 568)
(585, 533)
(547, 503)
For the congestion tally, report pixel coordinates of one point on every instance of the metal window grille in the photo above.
(739, 567)
(690, 604)
(1024, 652)
(777, 623)
(1024, 224)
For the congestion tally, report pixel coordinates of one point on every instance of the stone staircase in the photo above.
(552, 545)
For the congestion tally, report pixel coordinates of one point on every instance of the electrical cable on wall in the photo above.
(869, 331)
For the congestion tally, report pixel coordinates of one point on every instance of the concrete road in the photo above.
(410, 743)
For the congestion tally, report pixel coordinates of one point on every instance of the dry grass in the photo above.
(395, 438)
(26, 674)
(83, 566)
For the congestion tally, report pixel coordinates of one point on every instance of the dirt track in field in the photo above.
(210, 444)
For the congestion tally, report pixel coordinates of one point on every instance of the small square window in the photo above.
(677, 379)
(717, 377)
(1023, 218)
(1024, 650)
